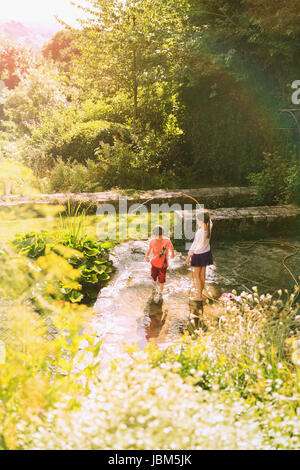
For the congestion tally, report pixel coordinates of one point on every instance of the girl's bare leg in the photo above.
(202, 280)
(197, 279)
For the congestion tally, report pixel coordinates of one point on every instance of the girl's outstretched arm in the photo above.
(148, 254)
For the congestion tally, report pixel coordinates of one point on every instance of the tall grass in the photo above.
(73, 223)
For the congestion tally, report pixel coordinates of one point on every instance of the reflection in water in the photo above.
(196, 314)
(155, 317)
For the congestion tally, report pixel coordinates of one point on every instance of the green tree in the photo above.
(131, 44)
(42, 87)
(238, 64)
(257, 40)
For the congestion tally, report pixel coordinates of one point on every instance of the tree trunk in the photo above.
(135, 82)
(135, 90)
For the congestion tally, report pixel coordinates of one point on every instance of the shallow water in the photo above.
(127, 312)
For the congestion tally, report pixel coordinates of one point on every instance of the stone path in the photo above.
(128, 314)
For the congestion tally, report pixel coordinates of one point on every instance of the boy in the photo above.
(159, 247)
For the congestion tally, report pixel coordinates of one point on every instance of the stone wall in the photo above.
(210, 197)
(253, 222)
(231, 209)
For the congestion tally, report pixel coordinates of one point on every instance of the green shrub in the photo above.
(225, 129)
(84, 138)
(94, 266)
(278, 182)
(89, 259)
(114, 109)
(293, 184)
(42, 87)
(122, 166)
(75, 177)
(10, 147)
(32, 244)
(16, 178)
(80, 132)
(149, 162)
(61, 133)
(71, 131)
(38, 371)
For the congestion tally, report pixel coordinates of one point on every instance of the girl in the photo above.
(200, 254)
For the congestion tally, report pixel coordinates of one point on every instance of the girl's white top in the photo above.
(201, 243)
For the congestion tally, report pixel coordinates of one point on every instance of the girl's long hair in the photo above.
(205, 217)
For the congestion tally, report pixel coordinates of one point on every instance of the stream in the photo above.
(127, 313)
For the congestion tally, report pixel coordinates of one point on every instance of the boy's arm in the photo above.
(148, 253)
(172, 250)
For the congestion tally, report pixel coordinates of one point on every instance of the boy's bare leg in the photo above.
(155, 286)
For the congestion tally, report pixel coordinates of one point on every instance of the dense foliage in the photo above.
(88, 258)
(40, 355)
(79, 178)
(42, 87)
(61, 49)
(185, 93)
(235, 387)
(278, 182)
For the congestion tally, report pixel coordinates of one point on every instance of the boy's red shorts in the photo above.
(159, 274)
